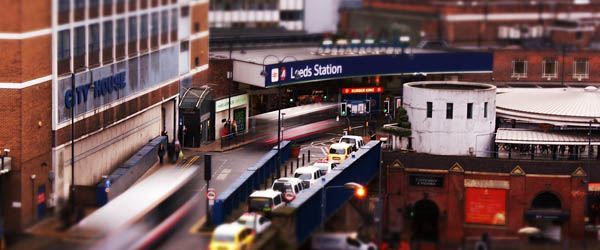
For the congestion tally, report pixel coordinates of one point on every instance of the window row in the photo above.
(107, 7)
(550, 68)
(109, 40)
(228, 5)
(450, 110)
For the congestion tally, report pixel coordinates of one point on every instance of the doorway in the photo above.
(546, 214)
(425, 221)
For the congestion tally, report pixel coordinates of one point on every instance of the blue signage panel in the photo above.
(353, 66)
(101, 87)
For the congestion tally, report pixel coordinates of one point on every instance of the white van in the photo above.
(265, 201)
(309, 175)
(325, 166)
(288, 183)
(356, 141)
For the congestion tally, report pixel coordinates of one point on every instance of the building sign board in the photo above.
(426, 180)
(238, 100)
(485, 206)
(355, 66)
(367, 90)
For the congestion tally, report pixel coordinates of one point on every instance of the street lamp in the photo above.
(264, 74)
(359, 192)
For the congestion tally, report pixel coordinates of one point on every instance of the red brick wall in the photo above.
(503, 66)
(450, 201)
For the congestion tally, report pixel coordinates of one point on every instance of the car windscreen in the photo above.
(304, 177)
(281, 187)
(258, 204)
(337, 151)
(348, 140)
(224, 237)
(246, 222)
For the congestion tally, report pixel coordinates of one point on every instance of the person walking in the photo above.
(233, 128)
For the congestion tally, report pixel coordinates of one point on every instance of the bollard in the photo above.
(309, 156)
(285, 170)
(297, 162)
(291, 167)
(303, 160)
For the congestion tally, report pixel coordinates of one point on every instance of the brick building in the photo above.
(474, 22)
(127, 59)
(463, 197)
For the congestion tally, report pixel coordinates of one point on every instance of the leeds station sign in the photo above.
(328, 68)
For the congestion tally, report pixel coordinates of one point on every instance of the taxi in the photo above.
(232, 237)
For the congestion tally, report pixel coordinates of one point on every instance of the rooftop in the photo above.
(558, 106)
(449, 85)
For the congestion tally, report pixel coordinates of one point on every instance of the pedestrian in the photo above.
(171, 152)
(178, 150)
(161, 152)
(233, 128)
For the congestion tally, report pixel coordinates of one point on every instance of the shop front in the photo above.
(234, 123)
(361, 101)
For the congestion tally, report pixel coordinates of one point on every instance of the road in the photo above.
(227, 167)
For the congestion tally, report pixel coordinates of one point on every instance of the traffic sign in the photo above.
(289, 196)
(211, 194)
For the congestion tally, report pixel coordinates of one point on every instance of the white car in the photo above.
(254, 221)
(309, 175)
(288, 183)
(354, 140)
(325, 166)
(340, 241)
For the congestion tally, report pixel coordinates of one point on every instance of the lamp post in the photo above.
(264, 73)
(72, 187)
(359, 191)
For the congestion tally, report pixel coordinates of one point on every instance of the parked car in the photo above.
(325, 166)
(254, 221)
(338, 152)
(231, 236)
(309, 175)
(288, 183)
(265, 201)
(356, 141)
(340, 241)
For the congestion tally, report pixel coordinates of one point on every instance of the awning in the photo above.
(533, 137)
(193, 97)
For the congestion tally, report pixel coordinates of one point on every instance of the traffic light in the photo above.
(386, 106)
(343, 109)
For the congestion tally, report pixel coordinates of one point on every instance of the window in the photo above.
(144, 26)
(549, 68)
(79, 48)
(277, 200)
(164, 22)
(154, 24)
(429, 109)
(79, 4)
(63, 5)
(196, 27)
(120, 31)
(174, 17)
(185, 46)
(64, 45)
(485, 108)
(449, 107)
(132, 29)
(580, 69)
(107, 2)
(94, 36)
(469, 110)
(519, 68)
(108, 34)
(185, 11)
(197, 61)
(94, 3)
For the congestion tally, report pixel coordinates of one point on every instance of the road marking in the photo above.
(323, 150)
(195, 229)
(223, 175)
